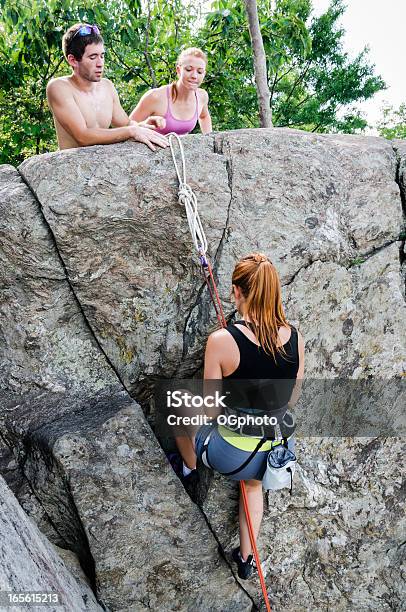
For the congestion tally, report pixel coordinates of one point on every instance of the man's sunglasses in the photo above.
(86, 30)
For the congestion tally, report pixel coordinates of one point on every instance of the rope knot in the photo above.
(187, 198)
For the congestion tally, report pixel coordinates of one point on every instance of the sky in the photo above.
(379, 24)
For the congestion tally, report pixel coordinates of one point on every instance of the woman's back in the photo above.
(256, 363)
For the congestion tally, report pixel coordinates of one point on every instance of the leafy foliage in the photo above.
(314, 84)
(311, 78)
(393, 122)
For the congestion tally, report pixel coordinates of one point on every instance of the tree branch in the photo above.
(136, 72)
(317, 126)
(284, 74)
(273, 88)
(146, 52)
(260, 70)
(300, 78)
(293, 108)
(303, 101)
(56, 68)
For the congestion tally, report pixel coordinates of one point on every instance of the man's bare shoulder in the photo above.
(107, 87)
(107, 83)
(59, 84)
(64, 83)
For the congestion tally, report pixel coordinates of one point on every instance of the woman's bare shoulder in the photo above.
(220, 340)
(219, 336)
(156, 93)
(203, 95)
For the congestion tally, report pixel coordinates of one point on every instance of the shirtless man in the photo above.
(85, 105)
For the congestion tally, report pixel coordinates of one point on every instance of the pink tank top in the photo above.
(179, 126)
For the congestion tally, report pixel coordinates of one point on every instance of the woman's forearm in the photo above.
(205, 124)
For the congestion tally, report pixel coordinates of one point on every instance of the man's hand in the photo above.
(147, 136)
(153, 122)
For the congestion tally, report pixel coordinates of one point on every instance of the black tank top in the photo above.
(265, 383)
(255, 363)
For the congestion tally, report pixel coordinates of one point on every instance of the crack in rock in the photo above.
(219, 149)
(400, 180)
(67, 278)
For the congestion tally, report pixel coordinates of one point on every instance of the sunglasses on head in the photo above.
(86, 30)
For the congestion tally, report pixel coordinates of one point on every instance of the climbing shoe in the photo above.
(191, 484)
(176, 463)
(245, 568)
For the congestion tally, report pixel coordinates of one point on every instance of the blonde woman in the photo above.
(181, 104)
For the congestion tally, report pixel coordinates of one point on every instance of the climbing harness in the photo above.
(188, 199)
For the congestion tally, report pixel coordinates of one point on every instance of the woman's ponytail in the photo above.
(259, 282)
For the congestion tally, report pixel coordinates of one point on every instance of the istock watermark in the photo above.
(342, 407)
(176, 399)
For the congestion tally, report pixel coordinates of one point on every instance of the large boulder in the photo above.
(125, 242)
(30, 564)
(103, 297)
(108, 496)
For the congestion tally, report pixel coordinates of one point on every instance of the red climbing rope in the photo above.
(212, 287)
(188, 199)
(254, 545)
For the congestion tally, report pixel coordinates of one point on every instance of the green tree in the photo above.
(393, 122)
(225, 38)
(28, 49)
(314, 83)
(321, 93)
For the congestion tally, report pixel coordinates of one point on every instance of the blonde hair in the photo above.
(194, 52)
(259, 282)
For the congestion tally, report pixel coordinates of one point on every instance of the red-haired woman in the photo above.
(182, 104)
(262, 345)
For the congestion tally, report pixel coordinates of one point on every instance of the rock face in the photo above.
(103, 296)
(123, 239)
(362, 316)
(301, 198)
(46, 344)
(91, 471)
(338, 542)
(29, 563)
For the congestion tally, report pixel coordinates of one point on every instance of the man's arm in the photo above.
(204, 118)
(69, 115)
(120, 117)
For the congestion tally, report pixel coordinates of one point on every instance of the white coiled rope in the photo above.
(188, 199)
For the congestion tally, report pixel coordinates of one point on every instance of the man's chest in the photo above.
(97, 109)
